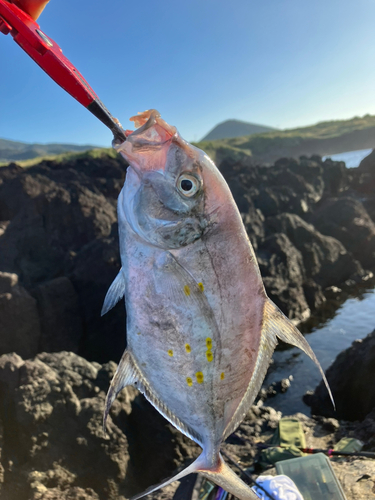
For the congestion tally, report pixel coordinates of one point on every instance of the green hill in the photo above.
(235, 128)
(14, 151)
(324, 138)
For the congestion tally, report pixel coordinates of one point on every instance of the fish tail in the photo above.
(194, 467)
(224, 476)
(220, 474)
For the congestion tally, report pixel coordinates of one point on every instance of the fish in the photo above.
(200, 328)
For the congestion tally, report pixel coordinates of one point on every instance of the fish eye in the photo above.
(188, 184)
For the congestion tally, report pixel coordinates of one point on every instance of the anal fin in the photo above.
(275, 321)
(125, 375)
(128, 373)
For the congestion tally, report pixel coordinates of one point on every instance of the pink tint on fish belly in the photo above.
(225, 264)
(235, 291)
(200, 328)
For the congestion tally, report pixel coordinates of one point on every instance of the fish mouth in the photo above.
(144, 121)
(151, 130)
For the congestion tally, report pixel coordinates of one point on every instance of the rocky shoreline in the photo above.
(52, 445)
(312, 227)
(310, 222)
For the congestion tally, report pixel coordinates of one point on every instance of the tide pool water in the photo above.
(352, 159)
(354, 319)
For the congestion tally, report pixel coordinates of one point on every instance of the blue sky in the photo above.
(282, 63)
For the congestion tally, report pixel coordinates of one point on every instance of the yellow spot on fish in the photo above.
(138, 333)
(222, 376)
(189, 381)
(187, 347)
(208, 343)
(170, 352)
(209, 356)
(200, 377)
(201, 287)
(187, 290)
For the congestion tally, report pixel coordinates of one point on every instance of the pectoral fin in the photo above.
(115, 293)
(275, 321)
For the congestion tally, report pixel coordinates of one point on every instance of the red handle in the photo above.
(48, 55)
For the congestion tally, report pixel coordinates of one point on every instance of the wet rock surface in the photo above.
(52, 445)
(58, 237)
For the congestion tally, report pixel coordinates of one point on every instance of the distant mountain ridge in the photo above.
(235, 128)
(323, 138)
(14, 150)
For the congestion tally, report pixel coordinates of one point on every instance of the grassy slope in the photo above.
(93, 153)
(322, 138)
(19, 151)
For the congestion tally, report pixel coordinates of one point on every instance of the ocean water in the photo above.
(353, 320)
(352, 159)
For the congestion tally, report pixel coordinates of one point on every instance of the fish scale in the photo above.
(201, 330)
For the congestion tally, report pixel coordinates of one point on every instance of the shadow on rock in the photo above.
(52, 441)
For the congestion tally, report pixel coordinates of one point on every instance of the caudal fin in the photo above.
(221, 474)
(225, 477)
(194, 467)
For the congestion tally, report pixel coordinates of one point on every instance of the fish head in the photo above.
(171, 188)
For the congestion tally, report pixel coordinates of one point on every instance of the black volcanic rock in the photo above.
(47, 219)
(52, 446)
(281, 265)
(325, 259)
(347, 220)
(368, 163)
(19, 318)
(58, 235)
(362, 181)
(54, 217)
(335, 176)
(281, 188)
(60, 316)
(51, 411)
(92, 271)
(351, 378)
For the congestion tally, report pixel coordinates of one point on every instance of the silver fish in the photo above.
(200, 328)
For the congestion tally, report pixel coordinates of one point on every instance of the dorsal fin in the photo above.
(276, 322)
